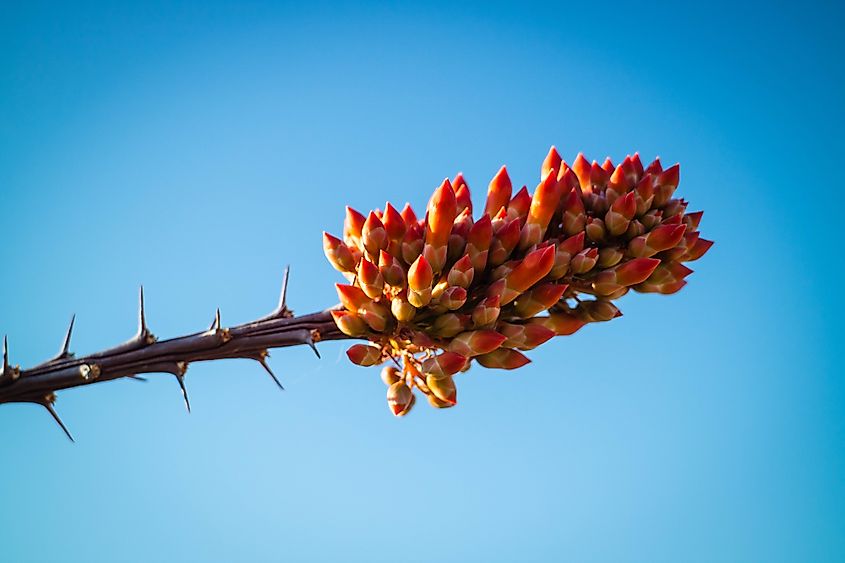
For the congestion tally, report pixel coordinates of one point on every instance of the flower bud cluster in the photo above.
(432, 294)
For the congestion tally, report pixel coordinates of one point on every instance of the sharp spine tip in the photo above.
(181, 380)
(262, 359)
(65, 351)
(48, 404)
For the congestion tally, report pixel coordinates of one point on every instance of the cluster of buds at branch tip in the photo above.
(433, 293)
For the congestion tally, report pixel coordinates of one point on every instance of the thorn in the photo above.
(144, 335)
(215, 324)
(48, 404)
(5, 353)
(309, 339)
(283, 295)
(142, 319)
(181, 379)
(65, 351)
(262, 359)
(137, 378)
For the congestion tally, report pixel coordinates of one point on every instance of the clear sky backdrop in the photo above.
(198, 147)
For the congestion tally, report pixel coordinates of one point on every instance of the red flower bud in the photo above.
(351, 297)
(338, 254)
(582, 168)
(443, 387)
(442, 210)
(352, 226)
(390, 375)
(400, 398)
(349, 324)
(402, 310)
(453, 298)
(365, 355)
(519, 205)
(498, 192)
(409, 216)
(373, 235)
(503, 358)
(445, 363)
(476, 342)
(574, 216)
(584, 261)
(563, 324)
(370, 279)
(486, 312)
(551, 163)
(461, 273)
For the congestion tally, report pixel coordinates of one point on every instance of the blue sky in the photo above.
(198, 147)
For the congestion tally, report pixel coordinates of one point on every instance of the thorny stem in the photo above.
(145, 354)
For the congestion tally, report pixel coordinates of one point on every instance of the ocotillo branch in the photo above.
(144, 353)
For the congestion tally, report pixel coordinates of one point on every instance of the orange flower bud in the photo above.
(391, 270)
(620, 214)
(598, 177)
(373, 235)
(420, 275)
(442, 210)
(609, 256)
(524, 337)
(595, 230)
(531, 269)
(486, 312)
(476, 342)
(635, 229)
(581, 166)
(478, 242)
(458, 237)
(409, 216)
(461, 273)
(453, 298)
(543, 205)
(450, 324)
(400, 398)
(652, 218)
(338, 254)
(376, 315)
(597, 311)
(503, 358)
(352, 226)
(551, 163)
(390, 375)
(445, 363)
(692, 220)
(349, 324)
(351, 297)
(584, 261)
(519, 205)
(498, 192)
(699, 249)
(635, 271)
(443, 387)
(393, 222)
(365, 354)
(401, 309)
(538, 299)
(412, 243)
(667, 182)
(462, 194)
(370, 279)
(574, 217)
(563, 324)
(504, 242)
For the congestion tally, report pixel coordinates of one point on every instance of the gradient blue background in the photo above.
(198, 147)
